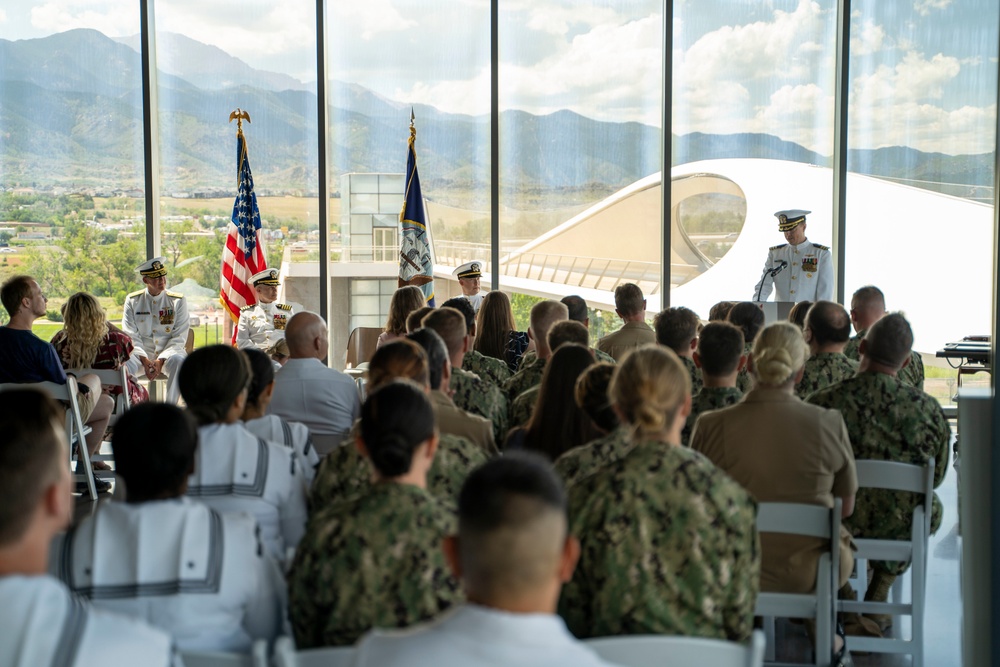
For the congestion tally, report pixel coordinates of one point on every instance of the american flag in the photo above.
(243, 255)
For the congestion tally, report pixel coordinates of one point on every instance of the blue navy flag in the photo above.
(416, 263)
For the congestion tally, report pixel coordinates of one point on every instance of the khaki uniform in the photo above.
(526, 378)
(912, 375)
(823, 370)
(488, 368)
(694, 372)
(783, 450)
(709, 398)
(626, 339)
(344, 473)
(263, 324)
(372, 561)
(888, 420)
(480, 397)
(638, 520)
(452, 420)
(585, 460)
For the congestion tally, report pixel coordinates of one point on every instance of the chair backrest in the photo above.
(110, 378)
(668, 651)
(361, 345)
(285, 655)
(256, 658)
(799, 519)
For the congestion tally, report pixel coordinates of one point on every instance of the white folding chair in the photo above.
(256, 658)
(820, 604)
(895, 477)
(675, 651)
(76, 430)
(111, 378)
(285, 655)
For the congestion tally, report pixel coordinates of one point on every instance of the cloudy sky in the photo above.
(739, 65)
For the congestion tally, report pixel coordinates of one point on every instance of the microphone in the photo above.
(779, 269)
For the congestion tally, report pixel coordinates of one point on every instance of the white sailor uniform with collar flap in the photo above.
(293, 435)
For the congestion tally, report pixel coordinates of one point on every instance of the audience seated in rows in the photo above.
(235, 470)
(414, 319)
(404, 301)
(888, 420)
(630, 305)
(512, 553)
(24, 357)
(827, 328)
(487, 368)
(344, 472)
(557, 423)
(720, 311)
(867, 308)
(293, 435)
(660, 498)
(306, 391)
(677, 329)
(375, 560)
(496, 332)
(43, 622)
(577, 312)
(176, 563)
(720, 357)
(543, 315)
(750, 319)
(797, 315)
(560, 334)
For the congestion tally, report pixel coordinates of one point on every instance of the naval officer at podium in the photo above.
(798, 270)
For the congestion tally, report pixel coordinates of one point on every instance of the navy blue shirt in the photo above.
(24, 357)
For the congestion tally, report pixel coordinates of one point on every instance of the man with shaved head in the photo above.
(826, 330)
(867, 308)
(306, 391)
(544, 314)
(513, 552)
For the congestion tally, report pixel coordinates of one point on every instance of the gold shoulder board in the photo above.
(284, 306)
(776, 247)
(175, 295)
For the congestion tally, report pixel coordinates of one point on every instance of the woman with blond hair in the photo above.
(496, 334)
(88, 340)
(668, 543)
(404, 301)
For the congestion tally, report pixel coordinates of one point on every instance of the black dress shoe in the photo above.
(102, 486)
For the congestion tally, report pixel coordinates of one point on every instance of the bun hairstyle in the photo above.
(649, 387)
(263, 373)
(210, 380)
(591, 396)
(396, 419)
(778, 353)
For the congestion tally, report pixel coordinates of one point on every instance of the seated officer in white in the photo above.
(468, 276)
(798, 270)
(41, 622)
(157, 321)
(235, 470)
(263, 324)
(174, 562)
(512, 553)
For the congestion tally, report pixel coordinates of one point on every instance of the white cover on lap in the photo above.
(236, 471)
(181, 566)
(44, 625)
(293, 435)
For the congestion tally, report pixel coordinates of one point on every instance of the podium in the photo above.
(775, 310)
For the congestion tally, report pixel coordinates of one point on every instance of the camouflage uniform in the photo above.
(530, 356)
(344, 473)
(488, 368)
(526, 378)
(889, 421)
(912, 375)
(822, 370)
(744, 380)
(372, 561)
(523, 406)
(475, 395)
(694, 372)
(585, 460)
(709, 398)
(669, 546)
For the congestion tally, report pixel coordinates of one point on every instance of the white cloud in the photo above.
(927, 127)
(925, 7)
(119, 17)
(913, 79)
(866, 38)
(3, 16)
(557, 20)
(370, 17)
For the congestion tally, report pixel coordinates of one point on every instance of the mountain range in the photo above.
(71, 114)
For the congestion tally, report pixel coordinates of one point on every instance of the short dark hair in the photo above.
(154, 446)
(797, 315)
(889, 341)
(483, 500)
(13, 291)
(414, 319)
(828, 322)
(399, 358)
(464, 306)
(396, 419)
(720, 311)
(262, 369)
(31, 454)
(577, 307)
(210, 379)
(450, 325)
(719, 348)
(567, 331)
(748, 317)
(437, 353)
(676, 328)
(629, 299)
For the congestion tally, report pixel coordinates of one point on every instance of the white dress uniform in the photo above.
(237, 471)
(476, 300)
(480, 636)
(262, 325)
(158, 326)
(179, 565)
(42, 624)
(471, 269)
(293, 435)
(802, 272)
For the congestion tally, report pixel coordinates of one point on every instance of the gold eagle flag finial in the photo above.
(239, 116)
